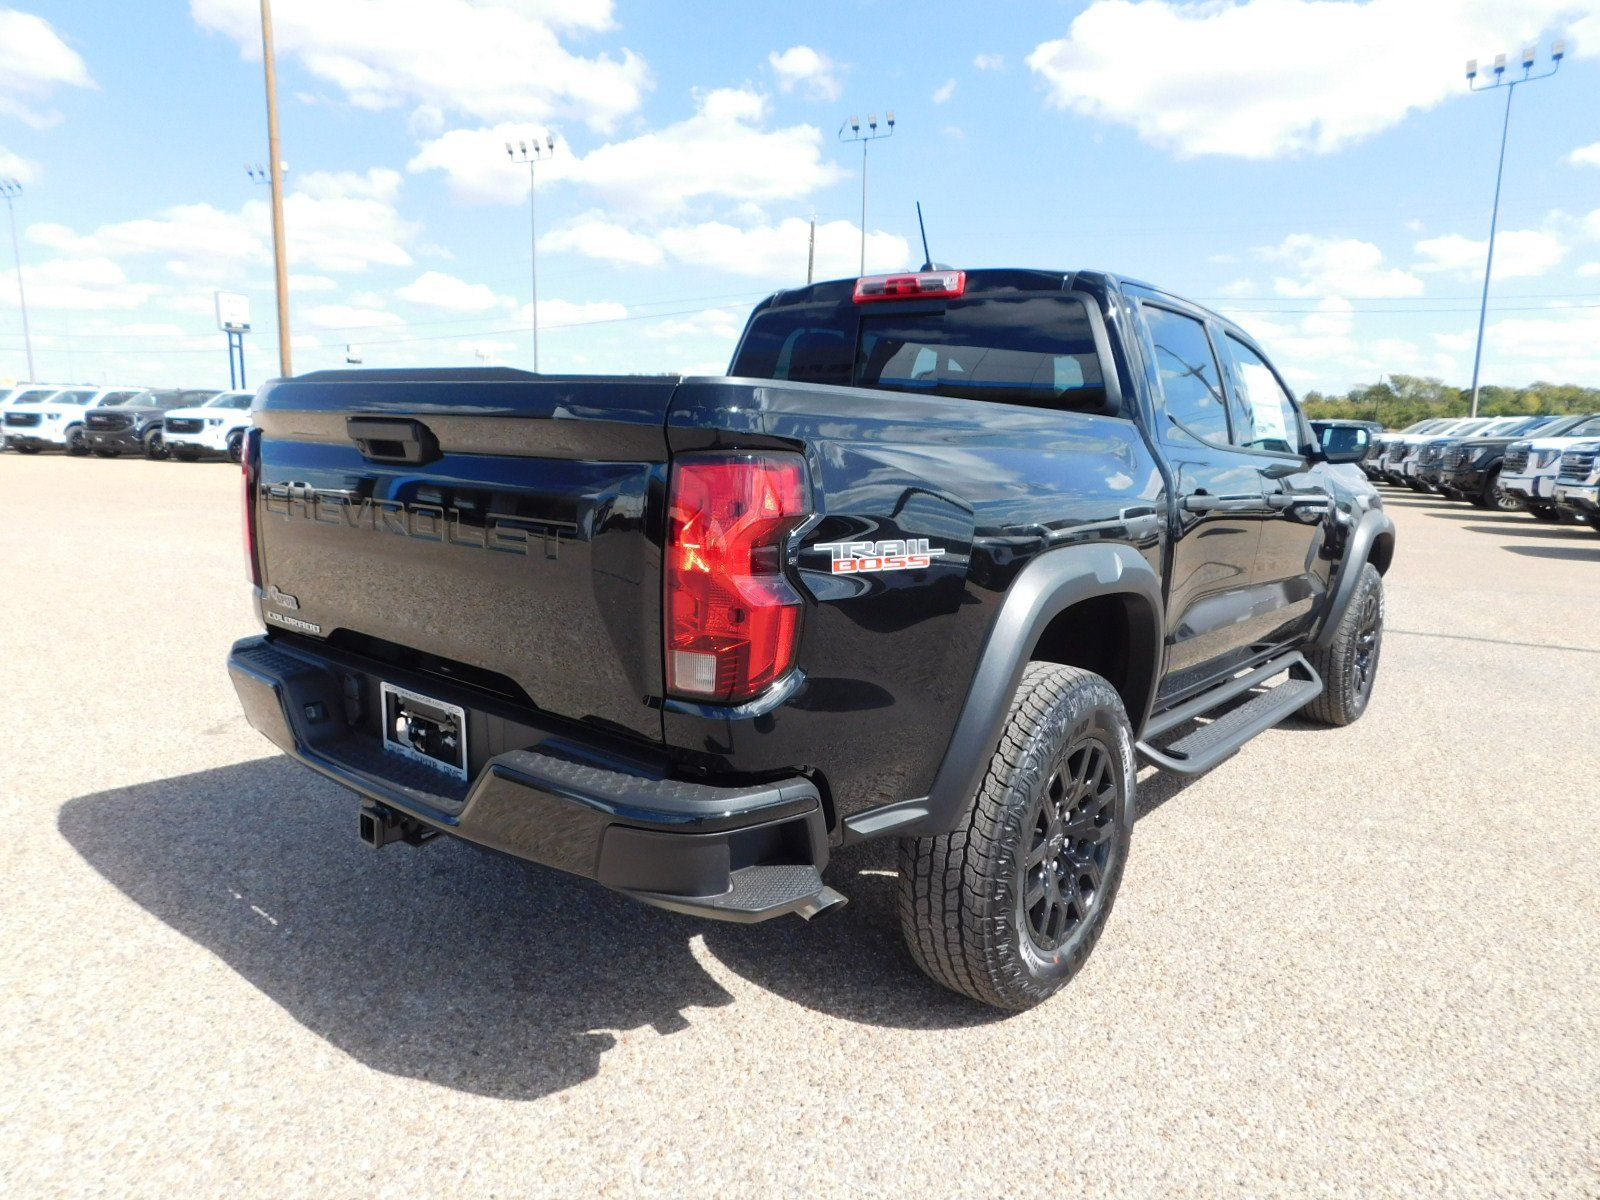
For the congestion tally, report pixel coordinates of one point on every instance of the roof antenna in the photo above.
(927, 259)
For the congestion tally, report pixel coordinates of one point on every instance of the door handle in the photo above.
(1200, 502)
(1305, 502)
(392, 439)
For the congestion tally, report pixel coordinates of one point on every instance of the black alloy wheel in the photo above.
(77, 441)
(1070, 844)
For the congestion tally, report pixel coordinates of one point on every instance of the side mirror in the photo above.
(1344, 443)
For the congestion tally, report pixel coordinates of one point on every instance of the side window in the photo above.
(1190, 380)
(1269, 420)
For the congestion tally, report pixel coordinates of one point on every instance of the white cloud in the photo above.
(312, 283)
(722, 151)
(1319, 266)
(435, 289)
(490, 61)
(379, 183)
(34, 61)
(78, 285)
(723, 324)
(778, 252)
(1266, 78)
(596, 237)
(327, 231)
(990, 62)
(14, 166)
(1564, 346)
(1590, 270)
(808, 69)
(1588, 156)
(944, 91)
(1518, 254)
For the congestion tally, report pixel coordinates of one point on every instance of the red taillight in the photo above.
(249, 461)
(732, 617)
(922, 285)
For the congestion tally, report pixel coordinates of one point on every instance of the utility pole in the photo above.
(873, 134)
(1558, 51)
(279, 250)
(811, 252)
(11, 189)
(532, 155)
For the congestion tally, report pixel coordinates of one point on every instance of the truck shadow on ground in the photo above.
(1572, 553)
(464, 968)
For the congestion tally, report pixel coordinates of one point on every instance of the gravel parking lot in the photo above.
(1362, 962)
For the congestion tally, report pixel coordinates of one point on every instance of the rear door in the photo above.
(1220, 502)
(494, 530)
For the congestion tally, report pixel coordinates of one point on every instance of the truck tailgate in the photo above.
(487, 526)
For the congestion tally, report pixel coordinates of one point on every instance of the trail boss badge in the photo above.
(855, 558)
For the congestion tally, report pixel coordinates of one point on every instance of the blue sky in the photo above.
(1315, 168)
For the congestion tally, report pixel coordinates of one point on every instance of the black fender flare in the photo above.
(1374, 525)
(1045, 588)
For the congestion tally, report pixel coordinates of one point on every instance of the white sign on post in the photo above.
(233, 312)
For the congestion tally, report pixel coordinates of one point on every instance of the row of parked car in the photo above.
(1546, 466)
(182, 423)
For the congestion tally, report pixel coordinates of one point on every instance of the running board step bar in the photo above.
(1201, 749)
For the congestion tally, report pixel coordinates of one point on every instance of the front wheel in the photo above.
(1349, 664)
(1497, 498)
(77, 442)
(155, 446)
(1006, 907)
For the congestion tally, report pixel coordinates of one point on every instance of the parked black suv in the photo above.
(945, 557)
(135, 424)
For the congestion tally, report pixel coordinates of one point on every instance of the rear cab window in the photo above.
(1037, 349)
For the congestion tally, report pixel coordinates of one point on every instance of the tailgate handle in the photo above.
(393, 439)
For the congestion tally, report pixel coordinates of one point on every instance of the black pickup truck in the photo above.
(944, 558)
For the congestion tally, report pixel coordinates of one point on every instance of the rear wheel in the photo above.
(1006, 907)
(1349, 664)
(155, 446)
(77, 441)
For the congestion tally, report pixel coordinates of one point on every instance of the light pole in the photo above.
(1558, 51)
(280, 260)
(873, 134)
(532, 154)
(11, 189)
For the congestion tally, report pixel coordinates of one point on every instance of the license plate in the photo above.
(425, 730)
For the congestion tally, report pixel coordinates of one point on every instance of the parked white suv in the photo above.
(26, 393)
(56, 422)
(1530, 467)
(215, 427)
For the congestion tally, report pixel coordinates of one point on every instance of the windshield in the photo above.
(1590, 427)
(73, 398)
(1423, 426)
(118, 399)
(33, 396)
(1036, 350)
(231, 400)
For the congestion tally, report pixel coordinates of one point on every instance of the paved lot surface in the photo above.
(1354, 963)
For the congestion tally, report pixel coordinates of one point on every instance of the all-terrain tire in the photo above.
(1006, 907)
(1349, 665)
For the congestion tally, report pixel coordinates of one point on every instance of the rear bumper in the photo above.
(737, 853)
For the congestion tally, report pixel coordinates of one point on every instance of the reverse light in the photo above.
(732, 616)
(249, 470)
(922, 285)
